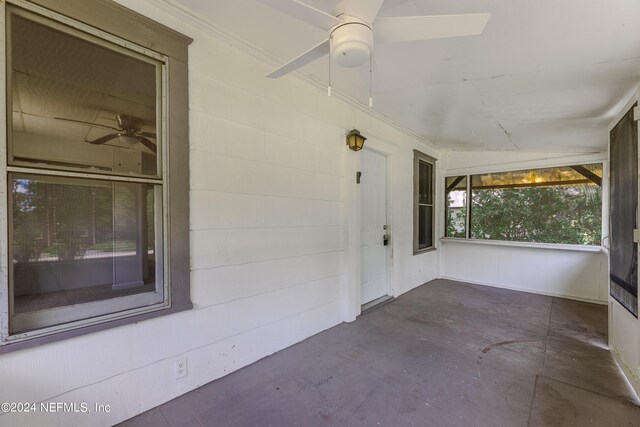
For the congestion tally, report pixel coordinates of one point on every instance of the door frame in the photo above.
(353, 210)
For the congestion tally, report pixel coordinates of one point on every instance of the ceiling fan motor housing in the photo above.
(351, 43)
(128, 123)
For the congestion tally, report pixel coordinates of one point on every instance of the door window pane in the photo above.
(78, 241)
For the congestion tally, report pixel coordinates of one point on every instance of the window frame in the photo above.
(420, 157)
(103, 19)
(469, 212)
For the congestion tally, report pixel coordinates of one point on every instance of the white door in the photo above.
(373, 220)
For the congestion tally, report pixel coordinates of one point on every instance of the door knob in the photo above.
(385, 239)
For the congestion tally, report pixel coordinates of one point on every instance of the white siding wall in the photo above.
(274, 238)
(576, 274)
(565, 273)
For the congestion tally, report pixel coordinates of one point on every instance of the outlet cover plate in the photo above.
(180, 368)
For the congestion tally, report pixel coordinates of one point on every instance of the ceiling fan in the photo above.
(354, 25)
(129, 128)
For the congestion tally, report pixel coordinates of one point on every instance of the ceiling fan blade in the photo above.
(409, 28)
(314, 53)
(304, 12)
(367, 10)
(148, 134)
(86, 123)
(150, 145)
(104, 139)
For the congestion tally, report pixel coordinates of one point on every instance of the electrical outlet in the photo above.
(180, 368)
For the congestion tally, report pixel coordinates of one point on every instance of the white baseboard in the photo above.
(530, 291)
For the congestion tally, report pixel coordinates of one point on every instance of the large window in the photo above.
(86, 170)
(423, 202)
(550, 205)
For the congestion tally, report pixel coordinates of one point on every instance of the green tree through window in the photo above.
(550, 205)
(559, 214)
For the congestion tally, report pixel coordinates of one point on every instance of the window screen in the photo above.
(423, 214)
(79, 104)
(85, 180)
(550, 205)
(547, 205)
(456, 206)
(624, 204)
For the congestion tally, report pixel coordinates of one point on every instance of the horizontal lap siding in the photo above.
(267, 218)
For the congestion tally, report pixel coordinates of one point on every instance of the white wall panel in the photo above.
(624, 340)
(224, 284)
(219, 210)
(565, 273)
(226, 138)
(216, 248)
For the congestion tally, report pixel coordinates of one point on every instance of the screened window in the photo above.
(550, 205)
(81, 103)
(423, 213)
(82, 242)
(623, 253)
(86, 178)
(81, 247)
(456, 206)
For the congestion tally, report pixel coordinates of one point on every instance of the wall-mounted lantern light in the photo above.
(355, 141)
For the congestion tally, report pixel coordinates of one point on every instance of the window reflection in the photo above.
(77, 104)
(76, 240)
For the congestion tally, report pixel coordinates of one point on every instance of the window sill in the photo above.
(72, 333)
(533, 245)
(425, 250)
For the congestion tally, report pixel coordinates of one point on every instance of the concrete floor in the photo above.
(444, 354)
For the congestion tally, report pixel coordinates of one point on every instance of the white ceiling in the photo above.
(546, 75)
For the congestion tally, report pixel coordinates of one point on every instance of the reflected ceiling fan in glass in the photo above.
(129, 130)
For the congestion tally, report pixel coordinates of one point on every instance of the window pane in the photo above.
(456, 206)
(423, 233)
(424, 183)
(77, 104)
(425, 236)
(566, 175)
(552, 205)
(77, 241)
